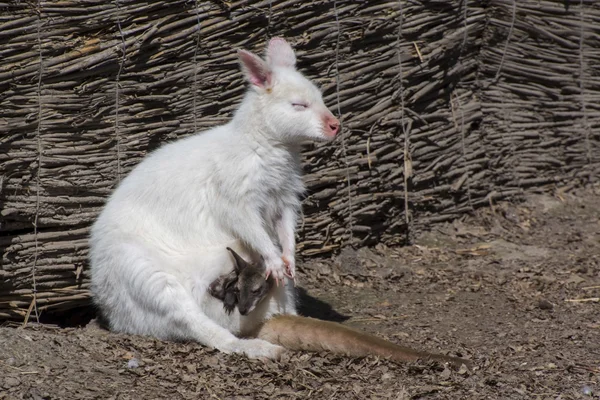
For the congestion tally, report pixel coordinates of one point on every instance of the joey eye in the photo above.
(299, 105)
(256, 291)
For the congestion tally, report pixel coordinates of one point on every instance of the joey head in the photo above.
(243, 287)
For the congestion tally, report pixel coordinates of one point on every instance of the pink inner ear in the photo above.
(255, 69)
(280, 53)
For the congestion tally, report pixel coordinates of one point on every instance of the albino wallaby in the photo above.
(161, 238)
(246, 287)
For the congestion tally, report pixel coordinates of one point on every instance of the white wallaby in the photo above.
(162, 236)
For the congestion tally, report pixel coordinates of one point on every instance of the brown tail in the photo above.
(302, 333)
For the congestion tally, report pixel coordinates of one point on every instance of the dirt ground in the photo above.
(514, 288)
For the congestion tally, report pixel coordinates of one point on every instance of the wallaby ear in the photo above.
(240, 263)
(280, 53)
(255, 68)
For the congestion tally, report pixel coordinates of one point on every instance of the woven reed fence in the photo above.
(496, 97)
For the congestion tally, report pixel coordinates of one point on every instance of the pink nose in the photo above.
(334, 125)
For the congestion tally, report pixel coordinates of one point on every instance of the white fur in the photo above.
(162, 237)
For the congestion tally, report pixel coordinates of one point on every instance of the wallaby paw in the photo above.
(290, 266)
(276, 269)
(258, 348)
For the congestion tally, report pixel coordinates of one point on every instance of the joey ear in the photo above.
(229, 282)
(240, 263)
(229, 302)
(280, 53)
(217, 288)
(255, 68)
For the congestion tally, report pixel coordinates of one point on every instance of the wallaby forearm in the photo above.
(286, 228)
(309, 334)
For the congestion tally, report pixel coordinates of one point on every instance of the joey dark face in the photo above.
(245, 286)
(252, 288)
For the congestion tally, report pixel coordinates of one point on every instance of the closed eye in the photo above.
(256, 291)
(299, 106)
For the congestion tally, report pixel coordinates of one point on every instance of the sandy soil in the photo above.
(514, 288)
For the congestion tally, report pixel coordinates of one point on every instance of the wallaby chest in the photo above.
(272, 173)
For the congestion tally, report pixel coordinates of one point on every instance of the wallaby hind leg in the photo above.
(154, 302)
(192, 323)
